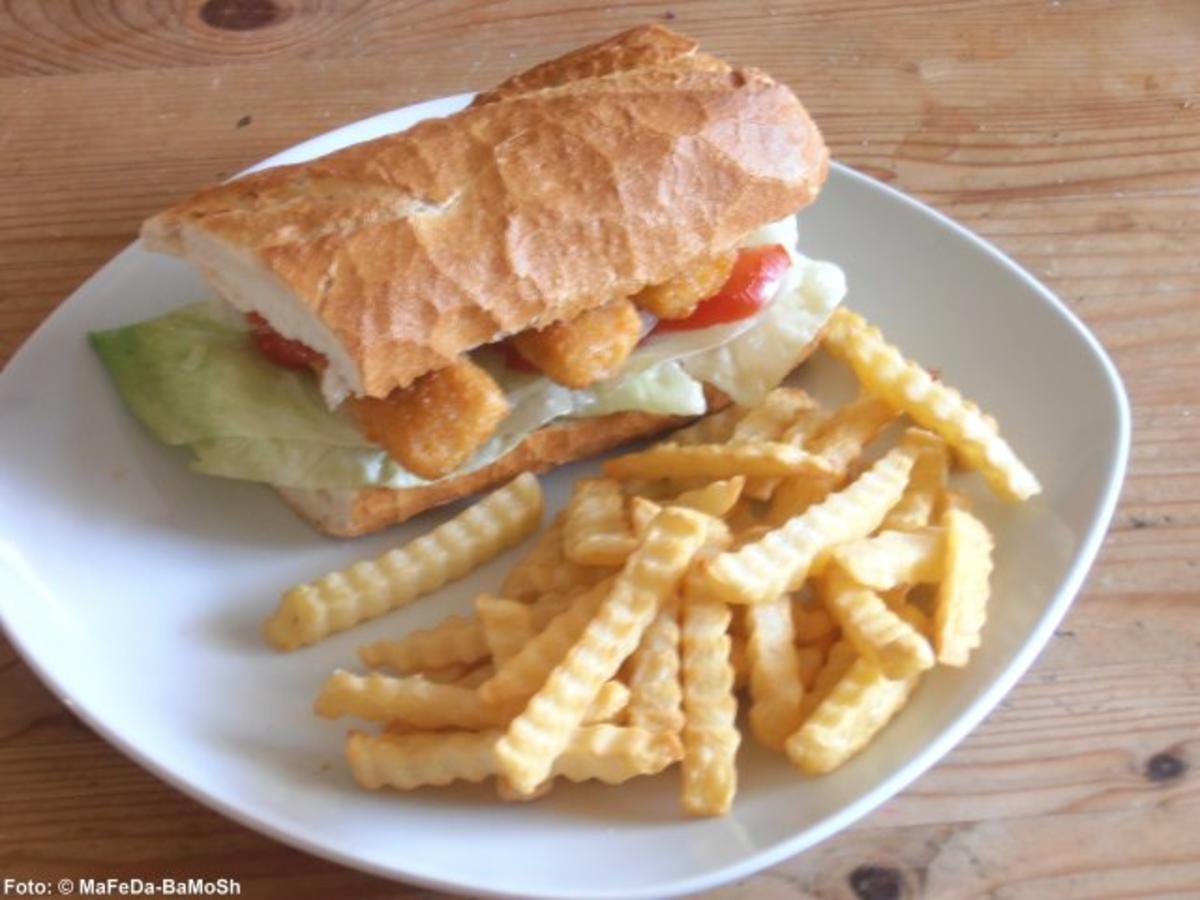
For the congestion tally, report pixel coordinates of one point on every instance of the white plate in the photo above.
(135, 588)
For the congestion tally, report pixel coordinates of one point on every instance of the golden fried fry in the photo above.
(963, 594)
(612, 700)
(838, 660)
(780, 561)
(589, 348)
(881, 637)
(545, 570)
(716, 498)
(716, 428)
(792, 497)
(812, 624)
(642, 512)
(710, 734)
(340, 600)
(656, 696)
(678, 297)
(841, 438)
(597, 530)
(475, 677)
(537, 736)
(883, 370)
(891, 558)
(775, 686)
(918, 505)
(521, 676)
(455, 639)
(506, 624)
(863, 701)
(412, 700)
(437, 423)
(715, 461)
(605, 753)
(769, 420)
(810, 659)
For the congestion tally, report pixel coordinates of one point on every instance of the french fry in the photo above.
(519, 678)
(961, 609)
(810, 659)
(811, 623)
(712, 429)
(607, 753)
(716, 498)
(544, 569)
(891, 558)
(841, 438)
(677, 461)
(742, 521)
(775, 686)
(537, 737)
(739, 659)
(368, 589)
(792, 497)
(409, 761)
(656, 696)
(643, 511)
(883, 370)
(456, 639)
(863, 701)
(803, 426)
(597, 530)
(474, 677)
(881, 637)
(612, 700)
(770, 419)
(413, 700)
(710, 734)
(761, 571)
(838, 660)
(918, 505)
(506, 624)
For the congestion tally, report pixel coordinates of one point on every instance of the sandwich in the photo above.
(599, 249)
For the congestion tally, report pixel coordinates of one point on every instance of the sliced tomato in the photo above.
(755, 276)
(280, 350)
(515, 361)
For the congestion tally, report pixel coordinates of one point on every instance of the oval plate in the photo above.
(135, 588)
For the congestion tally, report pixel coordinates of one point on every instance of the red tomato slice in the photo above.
(755, 276)
(280, 350)
(515, 361)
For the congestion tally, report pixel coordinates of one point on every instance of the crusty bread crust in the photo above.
(417, 247)
(643, 47)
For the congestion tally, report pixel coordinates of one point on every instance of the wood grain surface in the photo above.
(1066, 132)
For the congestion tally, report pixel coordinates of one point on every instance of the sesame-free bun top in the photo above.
(560, 193)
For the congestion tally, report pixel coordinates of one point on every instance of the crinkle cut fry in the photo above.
(776, 690)
(412, 700)
(521, 676)
(537, 736)
(882, 369)
(710, 734)
(881, 636)
(715, 461)
(455, 639)
(780, 561)
(861, 704)
(609, 753)
(368, 589)
(597, 530)
(656, 696)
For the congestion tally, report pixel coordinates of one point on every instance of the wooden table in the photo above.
(1067, 132)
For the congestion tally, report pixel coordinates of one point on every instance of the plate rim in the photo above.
(898, 780)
